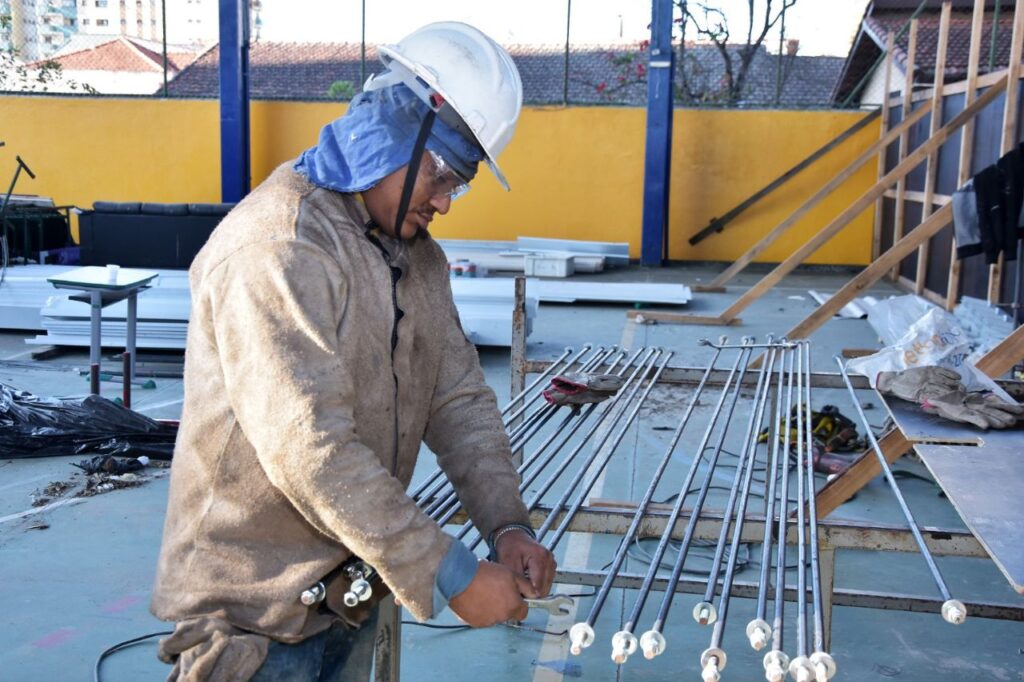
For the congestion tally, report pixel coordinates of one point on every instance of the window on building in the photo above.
(85, 22)
(102, 22)
(101, 3)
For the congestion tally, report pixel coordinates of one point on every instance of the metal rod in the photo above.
(758, 630)
(652, 642)
(609, 410)
(800, 667)
(705, 613)
(953, 611)
(776, 662)
(713, 658)
(570, 489)
(446, 492)
(627, 538)
(443, 518)
(823, 664)
(768, 344)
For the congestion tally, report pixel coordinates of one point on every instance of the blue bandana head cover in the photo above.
(375, 138)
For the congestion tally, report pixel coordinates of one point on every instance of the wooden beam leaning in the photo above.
(872, 273)
(816, 198)
(1004, 356)
(966, 141)
(1009, 139)
(908, 103)
(894, 444)
(855, 209)
(843, 219)
(933, 158)
(876, 238)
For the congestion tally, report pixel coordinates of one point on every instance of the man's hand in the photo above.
(494, 596)
(525, 556)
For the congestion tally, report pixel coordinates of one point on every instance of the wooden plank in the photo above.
(918, 197)
(933, 159)
(981, 483)
(1009, 138)
(872, 273)
(859, 474)
(925, 94)
(707, 289)
(876, 239)
(855, 209)
(815, 199)
(1003, 357)
(641, 316)
(850, 353)
(901, 185)
(966, 141)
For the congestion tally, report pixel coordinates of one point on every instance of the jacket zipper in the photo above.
(397, 314)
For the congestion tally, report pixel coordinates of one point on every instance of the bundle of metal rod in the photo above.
(627, 539)
(563, 434)
(581, 635)
(776, 662)
(713, 658)
(821, 662)
(953, 610)
(436, 484)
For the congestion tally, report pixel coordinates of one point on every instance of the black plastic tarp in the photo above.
(35, 426)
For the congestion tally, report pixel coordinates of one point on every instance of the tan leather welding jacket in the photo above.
(313, 373)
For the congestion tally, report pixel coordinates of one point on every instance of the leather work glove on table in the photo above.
(582, 388)
(918, 383)
(984, 410)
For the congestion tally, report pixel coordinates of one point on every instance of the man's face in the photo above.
(432, 193)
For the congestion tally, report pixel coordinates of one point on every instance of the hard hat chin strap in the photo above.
(412, 170)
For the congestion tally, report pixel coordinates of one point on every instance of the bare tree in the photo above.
(700, 81)
(710, 23)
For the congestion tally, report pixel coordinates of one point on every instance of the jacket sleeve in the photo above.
(276, 310)
(465, 431)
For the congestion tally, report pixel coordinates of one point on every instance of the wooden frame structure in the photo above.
(892, 184)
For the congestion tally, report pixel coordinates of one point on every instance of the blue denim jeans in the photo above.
(338, 654)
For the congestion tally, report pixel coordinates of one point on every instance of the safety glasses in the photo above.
(442, 178)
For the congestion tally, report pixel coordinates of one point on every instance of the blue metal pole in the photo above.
(234, 100)
(658, 155)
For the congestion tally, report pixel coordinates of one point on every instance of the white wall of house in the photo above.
(875, 88)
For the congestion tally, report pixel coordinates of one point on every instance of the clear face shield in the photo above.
(441, 178)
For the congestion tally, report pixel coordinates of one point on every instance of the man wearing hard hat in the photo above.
(323, 349)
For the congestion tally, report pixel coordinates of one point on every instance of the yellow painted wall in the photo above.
(576, 173)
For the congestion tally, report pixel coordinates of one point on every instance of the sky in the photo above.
(823, 27)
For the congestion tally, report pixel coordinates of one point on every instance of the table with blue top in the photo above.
(100, 287)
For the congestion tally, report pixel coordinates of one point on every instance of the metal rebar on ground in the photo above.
(953, 610)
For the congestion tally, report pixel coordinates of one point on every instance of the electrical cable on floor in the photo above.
(123, 645)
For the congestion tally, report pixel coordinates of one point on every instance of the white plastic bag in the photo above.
(892, 317)
(933, 340)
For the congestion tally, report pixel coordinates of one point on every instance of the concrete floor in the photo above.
(82, 583)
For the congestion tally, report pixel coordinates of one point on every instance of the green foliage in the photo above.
(343, 90)
(16, 76)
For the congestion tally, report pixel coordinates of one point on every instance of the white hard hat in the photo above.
(452, 63)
